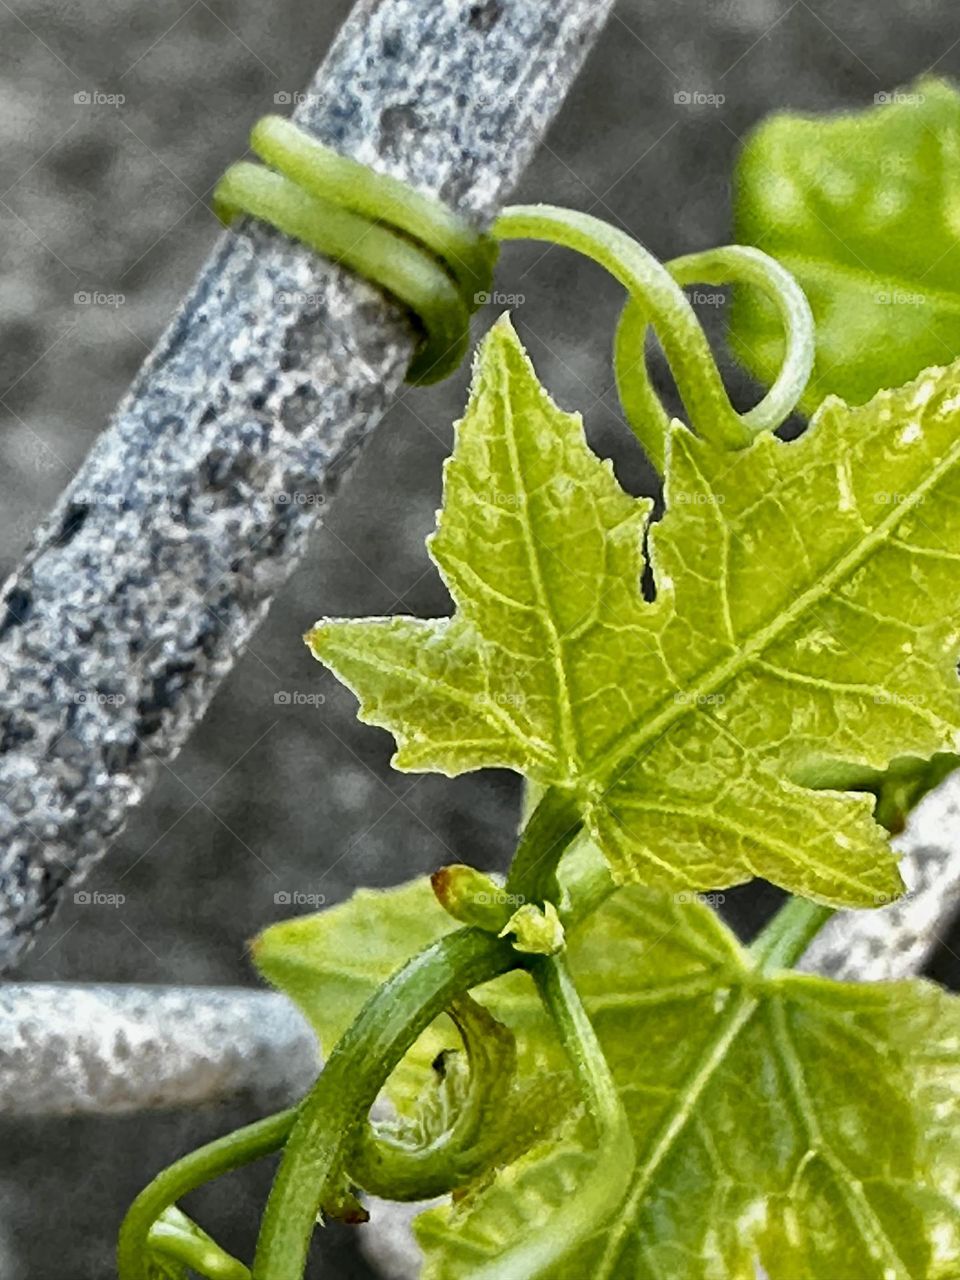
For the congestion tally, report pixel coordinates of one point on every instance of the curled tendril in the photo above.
(731, 264)
(657, 299)
(430, 259)
(387, 1165)
(411, 245)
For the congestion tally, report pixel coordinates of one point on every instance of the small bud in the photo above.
(537, 930)
(472, 898)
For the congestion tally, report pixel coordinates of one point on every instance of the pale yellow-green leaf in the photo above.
(804, 632)
(808, 1123)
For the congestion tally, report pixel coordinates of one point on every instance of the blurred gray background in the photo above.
(274, 797)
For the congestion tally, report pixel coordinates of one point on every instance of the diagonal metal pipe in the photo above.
(162, 557)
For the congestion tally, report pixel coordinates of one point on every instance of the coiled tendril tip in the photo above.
(441, 268)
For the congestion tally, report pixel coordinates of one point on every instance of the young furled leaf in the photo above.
(862, 209)
(177, 1248)
(331, 962)
(801, 1123)
(803, 635)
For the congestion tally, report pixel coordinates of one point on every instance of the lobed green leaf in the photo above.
(782, 1119)
(803, 636)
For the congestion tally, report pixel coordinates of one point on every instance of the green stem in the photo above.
(601, 1193)
(551, 829)
(586, 882)
(325, 1131)
(782, 942)
(645, 278)
(220, 1156)
(383, 199)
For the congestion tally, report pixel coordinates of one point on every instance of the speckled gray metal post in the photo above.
(162, 557)
(70, 1049)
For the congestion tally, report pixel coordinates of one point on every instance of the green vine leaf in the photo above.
(863, 209)
(781, 1118)
(807, 1123)
(804, 632)
(450, 1091)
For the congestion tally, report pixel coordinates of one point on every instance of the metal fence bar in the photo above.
(71, 1049)
(66, 1049)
